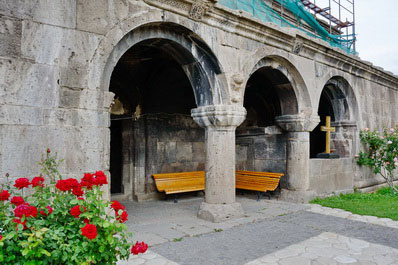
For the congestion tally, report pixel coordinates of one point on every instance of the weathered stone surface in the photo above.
(217, 213)
(57, 58)
(54, 45)
(60, 13)
(10, 36)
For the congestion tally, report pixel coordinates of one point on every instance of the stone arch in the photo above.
(337, 99)
(298, 92)
(196, 58)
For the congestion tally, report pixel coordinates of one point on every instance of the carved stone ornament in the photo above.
(237, 86)
(199, 9)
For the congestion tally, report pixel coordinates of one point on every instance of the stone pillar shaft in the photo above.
(298, 129)
(297, 160)
(220, 166)
(220, 122)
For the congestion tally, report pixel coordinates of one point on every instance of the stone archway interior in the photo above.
(260, 144)
(151, 127)
(333, 103)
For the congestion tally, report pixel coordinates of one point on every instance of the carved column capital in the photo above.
(298, 122)
(219, 116)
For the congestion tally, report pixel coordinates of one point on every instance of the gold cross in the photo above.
(327, 129)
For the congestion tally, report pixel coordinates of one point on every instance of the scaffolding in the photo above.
(333, 12)
(305, 15)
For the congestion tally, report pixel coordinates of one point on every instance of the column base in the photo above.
(301, 196)
(218, 213)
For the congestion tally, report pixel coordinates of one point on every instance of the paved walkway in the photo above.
(272, 232)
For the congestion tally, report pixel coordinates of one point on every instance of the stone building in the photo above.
(191, 85)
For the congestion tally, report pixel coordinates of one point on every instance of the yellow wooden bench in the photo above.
(257, 181)
(173, 183)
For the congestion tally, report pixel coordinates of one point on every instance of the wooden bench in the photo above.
(257, 181)
(173, 183)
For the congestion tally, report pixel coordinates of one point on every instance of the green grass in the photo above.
(382, 203)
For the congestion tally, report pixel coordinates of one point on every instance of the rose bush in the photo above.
(381, 153)
(64, 221)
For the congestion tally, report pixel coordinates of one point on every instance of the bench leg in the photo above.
(175, 198)
(259, 195)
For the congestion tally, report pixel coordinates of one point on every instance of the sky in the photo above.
(376, 29)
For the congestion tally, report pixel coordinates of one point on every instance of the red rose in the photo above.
(25, 210)
(48, 150)
(4, 195)
(22, 183)
(43, 212)
(67, 184)
(75, 211)
(117, 206)
(78, 191)
(16, 200)
(38, 181)
(18, 221)
(86, 221)
(100, 178)
(123, 217)
(139, 248)
(89, 231)
(1, 237)
(88, 181)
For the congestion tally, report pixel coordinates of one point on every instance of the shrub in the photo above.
(381, 154)
(65, 221)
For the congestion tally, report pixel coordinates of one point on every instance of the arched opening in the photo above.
(166, 72)
(261, 144)
(338, 102)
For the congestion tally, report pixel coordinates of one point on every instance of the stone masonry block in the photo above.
(19, 115)
(17, 8)
(85, 99)
(10, 36)
(60, 13)
(101, 15)
(184, 151)
(57, 46)
(28, 84)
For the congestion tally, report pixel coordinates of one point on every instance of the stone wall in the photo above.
(332, 175)
(159, 143)
(57, 57)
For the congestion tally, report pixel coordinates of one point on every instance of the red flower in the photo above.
(88, 181)
(22, 183)
(1, 237)
(38, 181)
(78, 191)
(25, 210)
(75, 211)
(67, 184)
(117, 206)
(43, 212)
(86, 221)
(16, 200)
(48, 150)
(139, 248)
(100, 178)
(89, 231)
(18, 221)
(4, 195)
(123, 217)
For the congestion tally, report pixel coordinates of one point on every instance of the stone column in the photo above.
(298, 129)
(220, 122)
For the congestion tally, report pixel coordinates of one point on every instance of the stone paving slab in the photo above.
(177, 236)
(329, 248)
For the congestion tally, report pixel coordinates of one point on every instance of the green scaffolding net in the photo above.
(263, 11)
